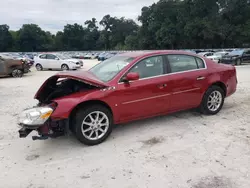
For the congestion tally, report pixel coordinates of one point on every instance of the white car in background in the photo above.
(205, 54)
(56, 61)
(217, 56)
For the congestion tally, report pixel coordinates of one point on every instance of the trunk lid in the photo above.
(82, 76)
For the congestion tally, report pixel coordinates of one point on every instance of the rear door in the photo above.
(147, 96)
(186, 81)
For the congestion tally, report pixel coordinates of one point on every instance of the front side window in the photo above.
(109, 68)
(180, 63)
(149, 67)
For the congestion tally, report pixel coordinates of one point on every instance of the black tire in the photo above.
(81, 115)
(204, 106)
(64, 67)
(17, 73)
(39, 67)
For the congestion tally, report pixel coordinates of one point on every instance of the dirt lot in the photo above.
(181, 150)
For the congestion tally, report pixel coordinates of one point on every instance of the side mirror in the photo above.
(56, 58)
(132, 76)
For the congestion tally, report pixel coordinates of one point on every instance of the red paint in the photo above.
(148, 97)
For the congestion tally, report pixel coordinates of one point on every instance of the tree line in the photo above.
(167, 24)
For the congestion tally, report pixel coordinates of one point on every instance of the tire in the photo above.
(238, 62)
(207, 103)
(16, 73)
(92, 130)
(64, 67)
(39, 67)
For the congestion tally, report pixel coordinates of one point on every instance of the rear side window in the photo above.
(180, 63)
(200, 63)
(42, 56)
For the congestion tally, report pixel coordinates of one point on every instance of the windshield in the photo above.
(236, 52)
(109, 68)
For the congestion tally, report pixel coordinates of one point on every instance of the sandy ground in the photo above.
(181, 150)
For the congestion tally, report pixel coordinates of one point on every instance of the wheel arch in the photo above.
(221, 85)
(87, 103)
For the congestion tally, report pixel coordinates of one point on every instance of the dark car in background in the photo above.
(236, 57)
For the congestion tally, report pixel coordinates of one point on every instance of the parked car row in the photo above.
(233, 57)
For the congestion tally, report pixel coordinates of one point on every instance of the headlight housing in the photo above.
(35, 116)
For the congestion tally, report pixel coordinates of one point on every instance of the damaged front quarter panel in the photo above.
(65, 91)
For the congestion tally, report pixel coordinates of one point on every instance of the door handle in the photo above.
(161, 86)
(201, 78)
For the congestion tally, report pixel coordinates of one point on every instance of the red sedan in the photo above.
(127, 87)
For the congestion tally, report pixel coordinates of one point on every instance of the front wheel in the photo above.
(212, 101)
(16, 73)
(93, 124)
(65, 67)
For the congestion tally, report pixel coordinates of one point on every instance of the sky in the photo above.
(52, 15)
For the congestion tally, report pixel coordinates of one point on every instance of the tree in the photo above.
(6, 40)
(32, 38)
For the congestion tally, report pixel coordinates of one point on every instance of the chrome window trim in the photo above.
(120, 82)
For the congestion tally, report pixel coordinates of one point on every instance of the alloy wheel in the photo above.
(65, 67)
(95, 125)
(214, 101)
(17, 73)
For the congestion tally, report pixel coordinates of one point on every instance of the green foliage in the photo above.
(167, 24)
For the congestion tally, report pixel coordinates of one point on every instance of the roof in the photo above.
(154, 52)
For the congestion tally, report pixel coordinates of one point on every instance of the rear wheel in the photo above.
(65, 67)
(93, 124)
(213, 100)
(16, 73)
(39, 67)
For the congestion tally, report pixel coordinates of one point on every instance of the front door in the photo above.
(246, 57)
(186, 81)
(53, 61)
(147, 96)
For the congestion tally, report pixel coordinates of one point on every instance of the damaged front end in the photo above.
(57, 96)
(38, 119)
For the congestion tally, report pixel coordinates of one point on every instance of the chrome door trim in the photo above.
(144, 99)
(184, 91)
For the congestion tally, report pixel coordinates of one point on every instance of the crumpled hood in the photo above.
(83, 76)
